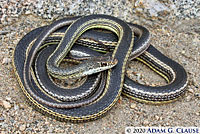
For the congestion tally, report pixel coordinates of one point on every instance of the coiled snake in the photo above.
(101, 90)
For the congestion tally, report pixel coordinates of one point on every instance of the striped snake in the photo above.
(34, 67)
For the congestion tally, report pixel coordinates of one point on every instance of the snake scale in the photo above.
(102, 45)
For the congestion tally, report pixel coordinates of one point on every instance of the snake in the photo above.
(105, 96)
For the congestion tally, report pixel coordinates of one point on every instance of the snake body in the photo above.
(105, 88)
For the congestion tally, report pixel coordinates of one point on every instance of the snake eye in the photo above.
(104, 63)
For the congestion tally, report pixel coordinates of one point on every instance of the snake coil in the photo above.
(99, 92)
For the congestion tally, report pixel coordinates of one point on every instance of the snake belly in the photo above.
(112, 89)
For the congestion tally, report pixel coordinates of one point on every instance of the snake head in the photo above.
(107, 62)
(98, 64)
(102, 63)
